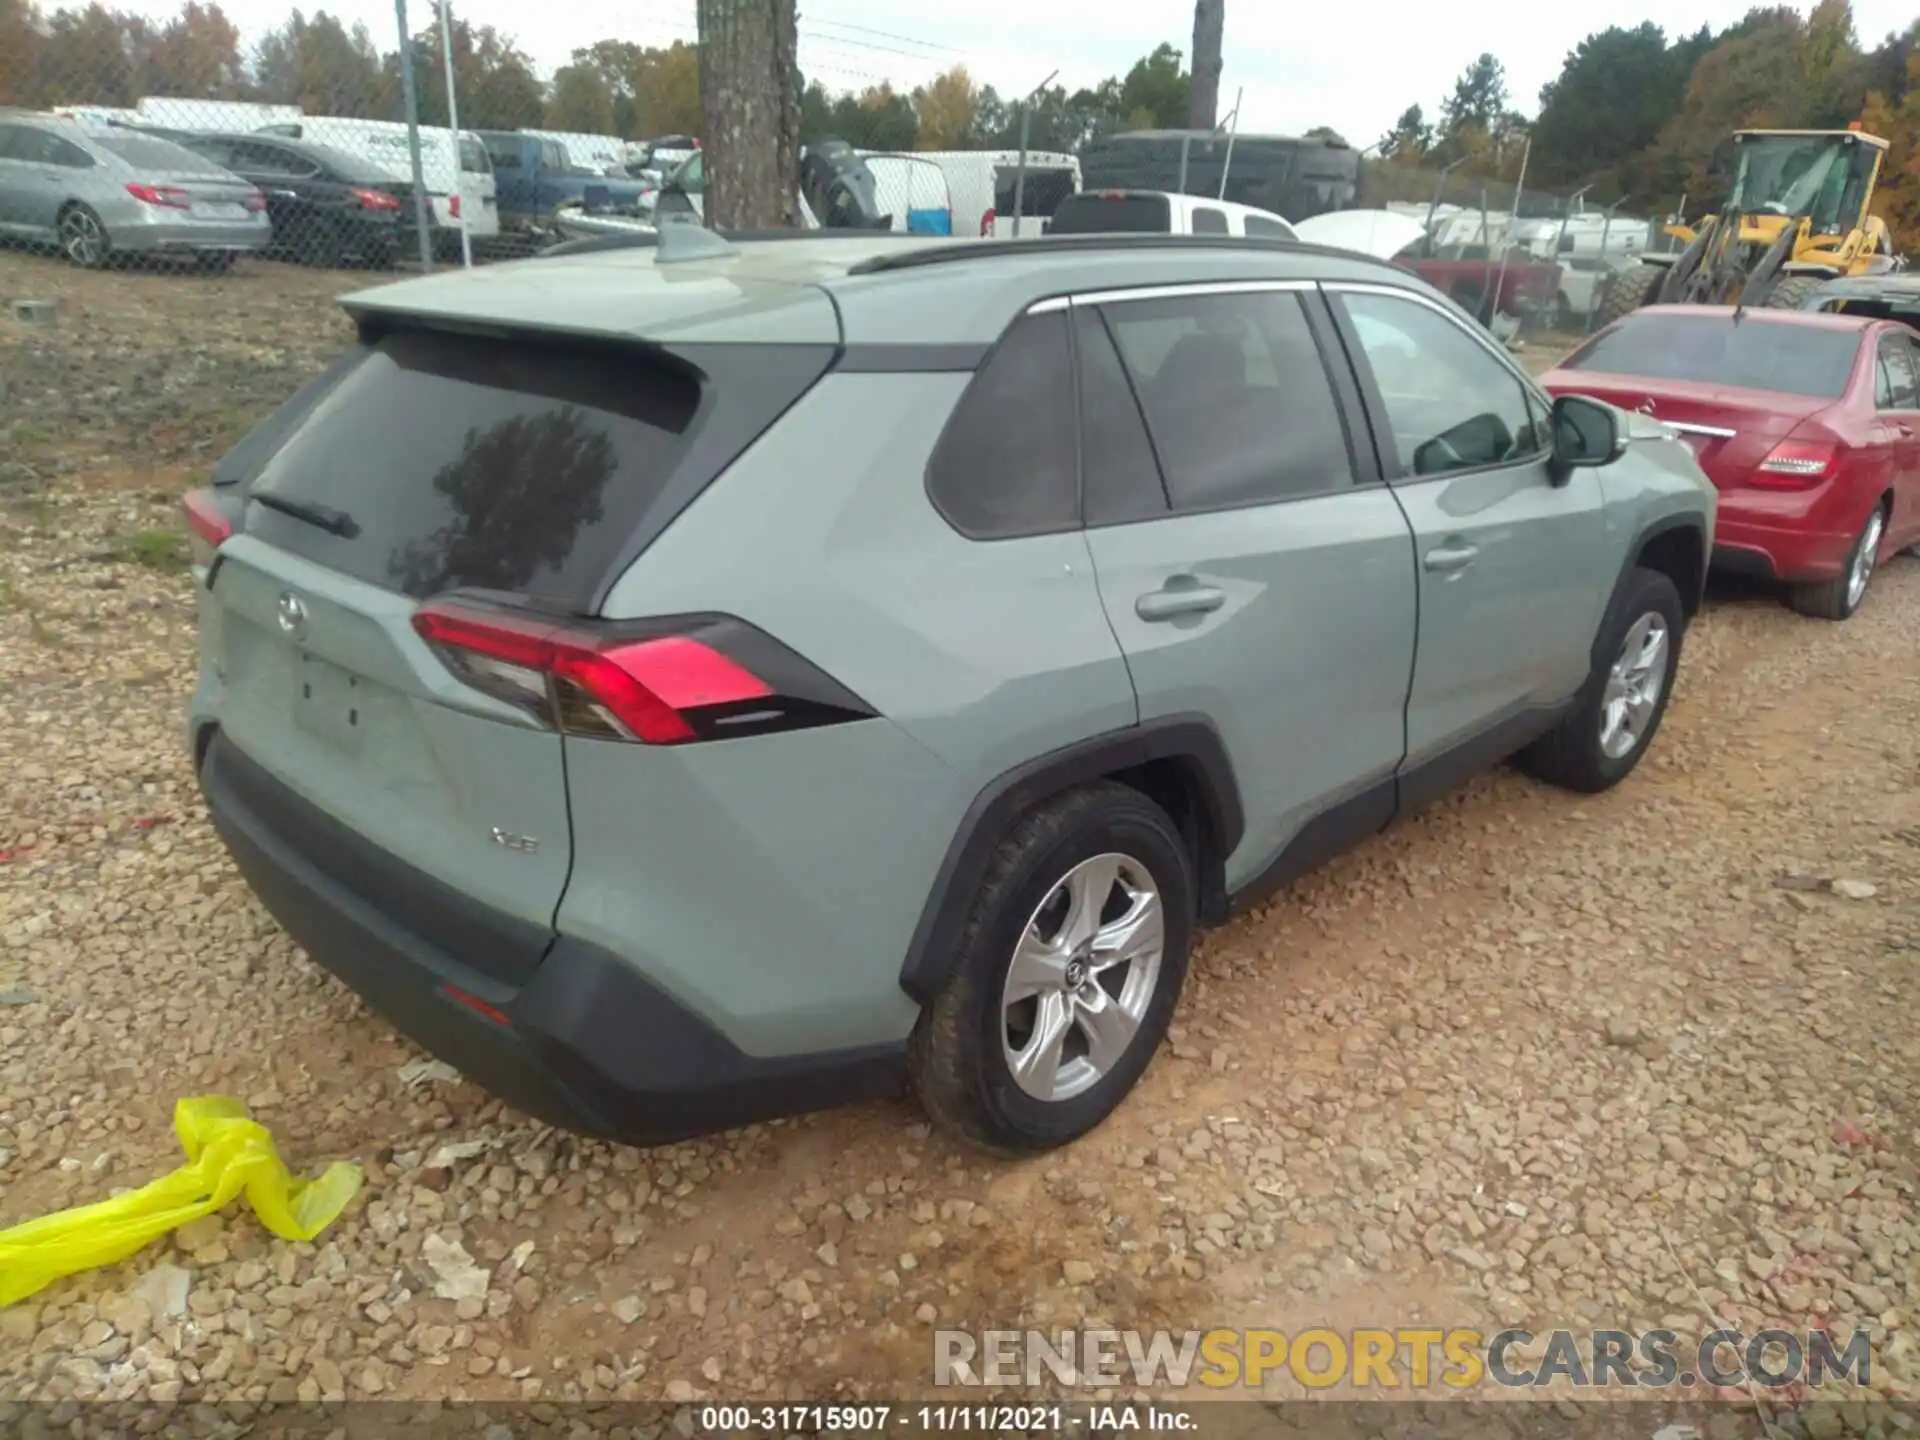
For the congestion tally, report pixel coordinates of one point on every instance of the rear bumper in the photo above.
(1778, 545)
(192, 235)
(588, 1043)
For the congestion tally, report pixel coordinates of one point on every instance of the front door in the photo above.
(1512, 563)
(1248, 574)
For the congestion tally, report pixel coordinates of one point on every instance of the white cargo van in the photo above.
(459, 177)
(976, 178)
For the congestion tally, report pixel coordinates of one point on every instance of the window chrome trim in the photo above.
(1172, 291)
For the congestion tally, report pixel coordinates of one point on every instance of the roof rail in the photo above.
(646, 239)
(1055, 244)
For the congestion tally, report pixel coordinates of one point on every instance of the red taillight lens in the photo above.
(205, 519)
(167, 197)
(374, 199)
(1797, 465)
(255, 202)
(453, 207)
(986, 223)
(607, 683)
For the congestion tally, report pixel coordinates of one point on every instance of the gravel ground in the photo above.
(1627, 1061)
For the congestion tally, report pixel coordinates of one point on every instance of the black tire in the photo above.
(83, 237)
(215, 262)
(1572, 755)
(1628, 290)
(1834, 599)
(321, 245)
(1792, 292)
(959, 1061)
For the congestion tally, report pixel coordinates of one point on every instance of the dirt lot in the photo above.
(1526, 1060)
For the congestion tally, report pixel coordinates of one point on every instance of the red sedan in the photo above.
(1808, 424)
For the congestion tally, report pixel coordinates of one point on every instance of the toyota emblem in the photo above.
(293, 615)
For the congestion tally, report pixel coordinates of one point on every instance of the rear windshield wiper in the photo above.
(336, 522)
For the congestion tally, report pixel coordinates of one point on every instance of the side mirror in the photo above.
(1586, 433)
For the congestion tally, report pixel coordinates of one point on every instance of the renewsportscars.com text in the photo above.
(1398, 1359)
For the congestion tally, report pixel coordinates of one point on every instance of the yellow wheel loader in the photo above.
(1796, 217)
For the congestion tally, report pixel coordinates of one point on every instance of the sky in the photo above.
(1300, 65)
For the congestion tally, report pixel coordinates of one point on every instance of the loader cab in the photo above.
(1825, 174)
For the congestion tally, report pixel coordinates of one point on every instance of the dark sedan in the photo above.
(327, 206)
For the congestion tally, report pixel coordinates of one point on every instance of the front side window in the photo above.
(1006, 465)
(1451, 405)
(1236, 397)
(1208, 221)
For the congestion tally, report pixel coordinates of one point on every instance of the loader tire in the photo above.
(1792, 292)
(1629, 290)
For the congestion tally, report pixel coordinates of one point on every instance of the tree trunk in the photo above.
(749, 113)
(1209, 32)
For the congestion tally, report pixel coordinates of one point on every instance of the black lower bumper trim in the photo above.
(591, 1045)
(1738, 560)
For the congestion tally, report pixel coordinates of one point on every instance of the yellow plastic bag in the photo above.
(227, 1152)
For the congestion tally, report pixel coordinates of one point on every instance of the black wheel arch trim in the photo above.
(1191, 741)
(1651, 531)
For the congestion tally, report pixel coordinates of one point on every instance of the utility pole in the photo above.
(1209, 34)
(749, 112)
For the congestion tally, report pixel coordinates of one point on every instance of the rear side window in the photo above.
(1236, 396)
(1895, 383)
(1208, 221)
(1006, 464)
(473, 157)
(1261, 225)
(451, 461)
(1752, 353)
(1095, 214)
(503, 152)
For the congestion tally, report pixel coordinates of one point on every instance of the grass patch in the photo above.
(162, 550)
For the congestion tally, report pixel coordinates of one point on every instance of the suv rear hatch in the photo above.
(1736, 390)
(519, 469)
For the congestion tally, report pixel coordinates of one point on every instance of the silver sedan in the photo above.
(102, 193)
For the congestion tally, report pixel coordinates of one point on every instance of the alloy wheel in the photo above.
(1860, 572)
(1085, 971)
(1634, 684)
(82, 238)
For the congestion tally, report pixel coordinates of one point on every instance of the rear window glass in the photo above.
(348, 166)
(473, 156)
(1749, 354)
(1085, 214)
(148, 153)
(457, 461)
(1040, 195)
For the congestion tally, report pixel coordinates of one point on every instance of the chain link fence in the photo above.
(179, 144)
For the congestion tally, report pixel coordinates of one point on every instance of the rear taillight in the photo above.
(986, 223)
(373, 199)
(167, 197)
(453, 207)
(1796, 465)
(255, 202)
(208, 527)
(656, 683)
(205, 519)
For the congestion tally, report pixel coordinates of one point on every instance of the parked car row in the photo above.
(661, 793)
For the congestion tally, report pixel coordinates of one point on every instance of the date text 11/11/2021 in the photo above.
(784, 1420)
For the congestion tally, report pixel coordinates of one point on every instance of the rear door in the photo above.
(436, 464)
(1254, 571)
(1897, 423)
(479, 192)
(17, 181)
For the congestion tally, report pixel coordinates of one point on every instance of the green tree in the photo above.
(92, 57)
(325, 69)
(581, 101)
(20, 58)
(945, 108)
(197, 54)
(1479, 97)
(1409, 139)
(494, 79)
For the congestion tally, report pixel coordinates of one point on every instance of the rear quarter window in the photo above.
(1006, 465)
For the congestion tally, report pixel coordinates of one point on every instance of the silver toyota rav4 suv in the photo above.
(687, 683)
